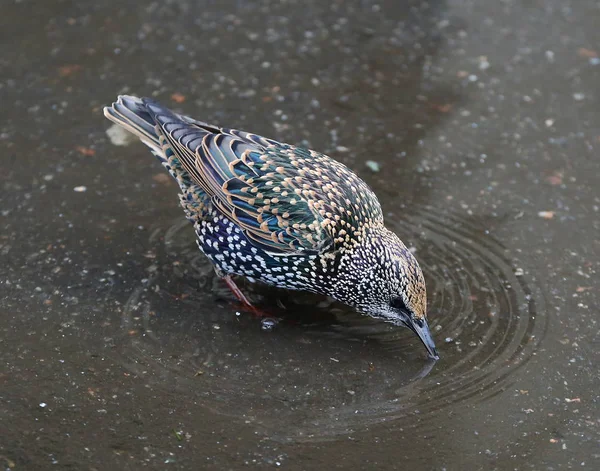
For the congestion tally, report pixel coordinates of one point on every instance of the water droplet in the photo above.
(268, 324)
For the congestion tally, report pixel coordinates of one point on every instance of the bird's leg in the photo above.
(237, 292)
(243, 299)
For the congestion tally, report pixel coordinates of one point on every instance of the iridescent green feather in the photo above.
(286, 199)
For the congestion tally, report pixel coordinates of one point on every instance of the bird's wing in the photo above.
(286, 199)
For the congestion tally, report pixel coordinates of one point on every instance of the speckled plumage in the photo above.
(281, 214)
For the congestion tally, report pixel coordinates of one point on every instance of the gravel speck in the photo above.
(119, 136)
(373, 166)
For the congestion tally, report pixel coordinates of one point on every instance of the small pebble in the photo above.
(119, 136)
(546, 214)
(373, 166)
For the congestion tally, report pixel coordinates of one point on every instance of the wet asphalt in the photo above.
(477, 125)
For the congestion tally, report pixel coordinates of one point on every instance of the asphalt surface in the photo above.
(476, 123)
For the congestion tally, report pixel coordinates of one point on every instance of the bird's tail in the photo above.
(131, 113)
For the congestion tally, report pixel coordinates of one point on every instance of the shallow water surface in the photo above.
(120, 347)
(368, 372)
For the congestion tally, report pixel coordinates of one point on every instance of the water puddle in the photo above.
(325, 370)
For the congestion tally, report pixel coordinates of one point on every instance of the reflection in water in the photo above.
(326, 370)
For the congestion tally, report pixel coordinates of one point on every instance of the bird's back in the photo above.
(286, 199)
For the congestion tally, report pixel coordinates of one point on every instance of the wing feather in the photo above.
(286, 199)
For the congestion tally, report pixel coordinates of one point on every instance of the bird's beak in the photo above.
(420, 327)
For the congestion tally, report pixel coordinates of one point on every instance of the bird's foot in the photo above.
(247, 305)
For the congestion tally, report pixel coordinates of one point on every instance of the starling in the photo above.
(284, 215)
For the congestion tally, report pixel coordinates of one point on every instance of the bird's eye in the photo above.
(398, 303)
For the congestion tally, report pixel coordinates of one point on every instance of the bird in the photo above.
(284, 215)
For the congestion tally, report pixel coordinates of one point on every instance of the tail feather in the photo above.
(131, 113)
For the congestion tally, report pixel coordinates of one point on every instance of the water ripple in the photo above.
(325, 370)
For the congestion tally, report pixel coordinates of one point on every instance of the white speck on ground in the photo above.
(373, 166)
(119, 136)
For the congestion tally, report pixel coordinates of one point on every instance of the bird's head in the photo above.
(389, 284)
